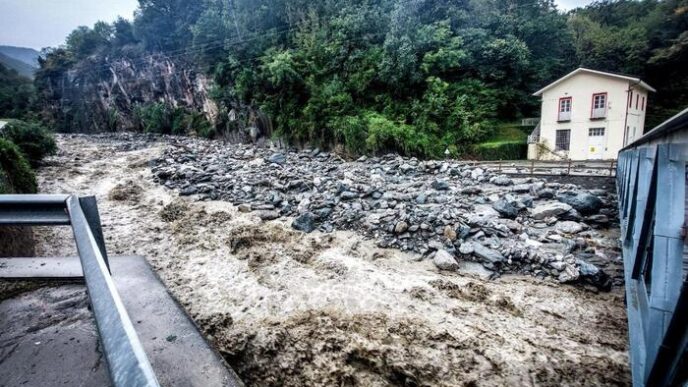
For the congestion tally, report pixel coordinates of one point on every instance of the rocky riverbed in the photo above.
(445, 211)
(290, 308)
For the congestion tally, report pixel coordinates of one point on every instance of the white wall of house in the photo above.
(598, 134)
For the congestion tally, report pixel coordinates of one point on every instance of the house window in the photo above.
(564, 109)
(630, 99)
(595, 132)
(642, 105)
(599, 105)
(637, 96)
(563, 140)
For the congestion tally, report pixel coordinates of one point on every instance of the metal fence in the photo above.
(126, 358)
(590, 168)
(652, 182)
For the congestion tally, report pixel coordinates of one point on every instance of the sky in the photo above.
(43, 23)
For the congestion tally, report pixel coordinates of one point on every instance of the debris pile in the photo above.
(447, 211)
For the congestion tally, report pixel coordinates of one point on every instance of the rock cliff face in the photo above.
(94, 96)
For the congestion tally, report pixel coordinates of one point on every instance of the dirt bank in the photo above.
(287, 308)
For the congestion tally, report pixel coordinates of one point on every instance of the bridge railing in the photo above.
(652, 186)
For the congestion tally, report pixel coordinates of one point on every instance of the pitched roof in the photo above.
(637, 81)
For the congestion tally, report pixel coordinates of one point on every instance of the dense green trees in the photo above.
(16, 94)
(414, 76)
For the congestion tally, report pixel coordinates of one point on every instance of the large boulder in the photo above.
(583, 202)
(550, 209)
(505, 208)
(445, 261)
(569, 227)
(304, 222)
(487, 254)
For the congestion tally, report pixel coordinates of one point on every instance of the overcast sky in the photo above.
(42, 23)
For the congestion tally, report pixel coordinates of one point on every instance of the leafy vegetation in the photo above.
(16, 175)
(33, 140)
(504, 150)
(413, 76)
(163, 119)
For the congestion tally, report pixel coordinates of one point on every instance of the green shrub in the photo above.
(385, 135)
(163, 119)
(352, 131)
(16, 175)
(34, 141)
(154, 118)
(507, 150)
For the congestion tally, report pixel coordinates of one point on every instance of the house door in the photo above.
(597, 143)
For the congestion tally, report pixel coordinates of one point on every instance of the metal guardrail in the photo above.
(126, 358)
(652, 186)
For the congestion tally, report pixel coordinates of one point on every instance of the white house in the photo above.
(589, 115)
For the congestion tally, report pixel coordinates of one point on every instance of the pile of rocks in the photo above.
(443, 210)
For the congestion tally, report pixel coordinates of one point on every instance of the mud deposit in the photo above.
(293, 309)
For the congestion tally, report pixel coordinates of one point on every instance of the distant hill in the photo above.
(23, 60)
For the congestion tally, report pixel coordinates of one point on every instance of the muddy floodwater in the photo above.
(287, 308)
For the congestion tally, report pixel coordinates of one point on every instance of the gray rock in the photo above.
(599, 219)
(569, 227)
(348, 195)
(267, 214)
(277, 158)
(487, 254)
(421, 198)
(466, 248)
(190, 190)
(304, 222)
(570, 274)
(505, 208)
(587, 269)
(501, 181)
(474, 268)
(583, 202)
(557, 265)
(244, 207)
(440, 185)
(546, 193)
(548, 210)
(405, 167)
(401, 227)
(521, 188)
(477, 173)
(471, 190)
(445, 261)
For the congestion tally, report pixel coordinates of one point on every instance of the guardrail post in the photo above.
(611, 168)
(90, 209)
(569, 169)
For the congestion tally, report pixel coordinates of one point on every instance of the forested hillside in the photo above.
(414, 76)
